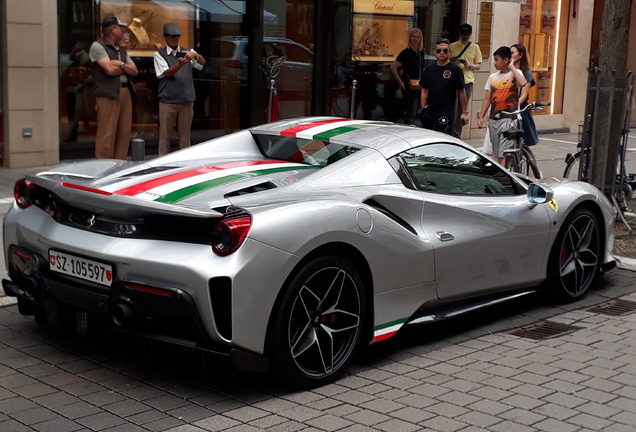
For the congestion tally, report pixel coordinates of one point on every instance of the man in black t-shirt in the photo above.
(441, 83)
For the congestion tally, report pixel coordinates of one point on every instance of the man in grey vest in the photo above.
(111, 67)
(173, 65)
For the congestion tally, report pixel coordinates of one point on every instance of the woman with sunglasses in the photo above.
(442, 83)
(410, 61)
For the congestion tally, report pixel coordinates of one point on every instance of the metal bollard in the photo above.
(138, 150)
(353, 98)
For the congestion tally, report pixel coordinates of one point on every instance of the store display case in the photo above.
(380, 29)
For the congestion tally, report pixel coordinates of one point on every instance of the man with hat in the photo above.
(468, 56)
(111, 67)
(173, 65)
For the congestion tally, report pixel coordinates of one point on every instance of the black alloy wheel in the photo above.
(318, 322)
(575, 256)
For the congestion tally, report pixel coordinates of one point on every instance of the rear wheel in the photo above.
(318, 322)
(575, 256)
(528, 166)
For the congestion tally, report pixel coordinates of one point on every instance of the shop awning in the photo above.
(231, 11)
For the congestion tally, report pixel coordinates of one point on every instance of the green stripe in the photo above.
(324, 136)
(181, 194)
(390, 324)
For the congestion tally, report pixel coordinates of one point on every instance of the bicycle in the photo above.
(519, 159)
(577, 167)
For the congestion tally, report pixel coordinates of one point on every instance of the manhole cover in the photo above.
(544, 330)
(614, 307)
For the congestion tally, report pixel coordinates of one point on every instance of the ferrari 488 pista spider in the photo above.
(286, 246)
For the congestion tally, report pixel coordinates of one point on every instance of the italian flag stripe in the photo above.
(385, 331)
(166, 189)
(311, 132)
(171, 178)
(325, 136)
(194, 189)
(292, 132)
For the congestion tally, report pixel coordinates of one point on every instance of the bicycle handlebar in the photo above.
(530, 106)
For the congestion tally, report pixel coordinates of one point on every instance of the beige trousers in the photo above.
(170, 114)
(114, 123)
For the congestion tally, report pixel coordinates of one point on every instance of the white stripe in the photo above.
(309, 133)
(6, 200)
(548, 139)
(164, 190)
(388, 330)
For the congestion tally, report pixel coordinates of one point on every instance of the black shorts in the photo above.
(439, 123)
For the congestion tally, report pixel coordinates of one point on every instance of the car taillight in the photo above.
(229, 234)
(233, 64)
(23, 192)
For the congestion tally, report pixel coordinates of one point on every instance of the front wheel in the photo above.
(575, 256)
(317, 323)
(528, 166)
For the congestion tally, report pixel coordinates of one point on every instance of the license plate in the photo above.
(81, 268)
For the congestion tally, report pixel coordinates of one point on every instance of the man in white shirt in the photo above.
(173, 65)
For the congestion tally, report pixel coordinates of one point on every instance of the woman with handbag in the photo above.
(410, 61)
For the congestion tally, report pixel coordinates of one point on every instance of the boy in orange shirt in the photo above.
(502, 94)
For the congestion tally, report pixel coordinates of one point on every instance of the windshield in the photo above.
(311, 152)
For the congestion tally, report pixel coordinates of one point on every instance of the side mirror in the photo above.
(538, 194)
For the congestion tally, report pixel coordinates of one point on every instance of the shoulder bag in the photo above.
(414, 84)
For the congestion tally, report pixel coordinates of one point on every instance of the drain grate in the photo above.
(614, 308)
(544, 330)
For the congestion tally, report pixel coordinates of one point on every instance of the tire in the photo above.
(317, 323)
(575, 257)
(528, 165)
(511, 164)
(572, 167)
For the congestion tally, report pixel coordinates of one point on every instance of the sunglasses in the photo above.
(439, 50)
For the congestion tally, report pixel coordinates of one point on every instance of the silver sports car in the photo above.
(288, 245)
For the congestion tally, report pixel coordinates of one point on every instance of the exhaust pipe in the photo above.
(30, 286)
(122, 314)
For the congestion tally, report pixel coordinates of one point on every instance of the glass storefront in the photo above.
(540, 25)
(233, 89)
(377, 33)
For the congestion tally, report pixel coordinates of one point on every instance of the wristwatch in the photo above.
(123, 65)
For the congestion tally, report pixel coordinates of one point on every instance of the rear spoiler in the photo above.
(97, 201)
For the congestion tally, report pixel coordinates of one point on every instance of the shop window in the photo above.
(541, 31)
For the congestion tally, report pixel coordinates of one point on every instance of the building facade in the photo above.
(313, 50)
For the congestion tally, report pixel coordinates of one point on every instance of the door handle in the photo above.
(445, 236)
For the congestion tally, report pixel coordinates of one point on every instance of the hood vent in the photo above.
(251, 189)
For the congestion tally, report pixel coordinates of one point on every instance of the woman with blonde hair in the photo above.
(411, 62)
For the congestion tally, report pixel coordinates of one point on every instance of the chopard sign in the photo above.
(379, 6)
(384, 7)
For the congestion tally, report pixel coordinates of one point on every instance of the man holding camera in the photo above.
(173, 65)
(468, 56)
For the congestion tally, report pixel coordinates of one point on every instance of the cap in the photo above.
(465, 28)
(111, 21)
(171, 29)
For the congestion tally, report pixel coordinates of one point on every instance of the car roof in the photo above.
(387, 138)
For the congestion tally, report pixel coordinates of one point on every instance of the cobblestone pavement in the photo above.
(466, 374)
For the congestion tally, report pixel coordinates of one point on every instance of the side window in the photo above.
(298, 54)
(454, 170)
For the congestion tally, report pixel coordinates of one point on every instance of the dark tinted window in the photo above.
(312, 152)
(222, 49)
(454, 170)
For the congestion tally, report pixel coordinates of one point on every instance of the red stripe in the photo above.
(150, 184)
(384, 336)
(291, 132)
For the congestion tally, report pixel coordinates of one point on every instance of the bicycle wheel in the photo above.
(572, 167)
(511, 163)
(528, 166)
